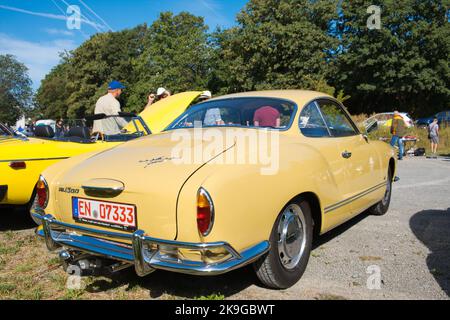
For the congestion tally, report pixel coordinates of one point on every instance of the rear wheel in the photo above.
(382, 207)
(290, 242)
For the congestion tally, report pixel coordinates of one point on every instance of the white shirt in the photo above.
(109, 106)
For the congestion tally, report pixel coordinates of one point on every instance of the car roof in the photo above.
(300, 97)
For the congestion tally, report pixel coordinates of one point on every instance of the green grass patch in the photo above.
(213, 296)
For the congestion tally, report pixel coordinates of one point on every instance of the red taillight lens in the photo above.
(205, 212)
(17, 165)
(42, 193)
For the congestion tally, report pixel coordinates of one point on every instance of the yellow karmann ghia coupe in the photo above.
(198, 198)
(23, 159)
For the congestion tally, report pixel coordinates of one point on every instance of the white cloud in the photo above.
(58, 32)
(97, 26)
(39, 57)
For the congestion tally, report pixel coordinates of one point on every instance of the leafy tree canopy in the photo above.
(15, 89)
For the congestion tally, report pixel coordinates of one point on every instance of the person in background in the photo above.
(60, 130)
(110, 106)
(161, 93)
(206, 95)
(398, 130)
(267, 116)
(433, 135)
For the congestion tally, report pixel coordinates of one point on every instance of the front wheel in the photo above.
(290, 243)
(382, 207)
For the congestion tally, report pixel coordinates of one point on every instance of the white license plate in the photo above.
(102, 213)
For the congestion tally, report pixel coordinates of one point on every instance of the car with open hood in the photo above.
(239, 179)
(22, 159)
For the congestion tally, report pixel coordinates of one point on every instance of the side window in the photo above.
(311, 122)
(337, 120)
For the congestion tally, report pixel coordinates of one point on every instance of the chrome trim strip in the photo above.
(353, 198)
(138, 253)
(35, 159)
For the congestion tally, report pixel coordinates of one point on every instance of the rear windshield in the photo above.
(239, 112)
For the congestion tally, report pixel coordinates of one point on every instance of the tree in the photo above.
(15, 89)
(176, 56)
(404, 65)
(277, 45)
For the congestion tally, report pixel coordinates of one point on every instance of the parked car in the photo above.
(443, 118)
(385, 119)
(148, 205)
(23, 159)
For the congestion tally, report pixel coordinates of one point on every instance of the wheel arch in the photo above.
(392, 167)
(316, 209)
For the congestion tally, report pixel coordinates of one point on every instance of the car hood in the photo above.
(162, 113)
(150, 173)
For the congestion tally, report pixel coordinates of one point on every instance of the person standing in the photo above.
(60, 130)
(110, 106)
(161, 93)
(398, 130)
(433, 135)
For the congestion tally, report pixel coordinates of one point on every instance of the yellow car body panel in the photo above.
(246, 203)
(160, 114)
(38, 154)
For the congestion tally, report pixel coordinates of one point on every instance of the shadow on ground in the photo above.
(160, 282)
(432, 228)
(15, 219)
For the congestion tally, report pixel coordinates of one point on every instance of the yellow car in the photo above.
(240, 179)
(23, 159)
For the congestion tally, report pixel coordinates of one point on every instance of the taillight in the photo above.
(205, 212)
(17, 165)
(42, 192)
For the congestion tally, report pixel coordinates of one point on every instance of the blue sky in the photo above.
(36, 31)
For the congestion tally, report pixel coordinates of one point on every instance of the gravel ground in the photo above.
(409, 246)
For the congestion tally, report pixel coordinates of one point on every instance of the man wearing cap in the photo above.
(110, 106)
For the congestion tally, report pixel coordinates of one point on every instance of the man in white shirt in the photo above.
(110, 106)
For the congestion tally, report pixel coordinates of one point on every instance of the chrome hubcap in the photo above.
(291, 236)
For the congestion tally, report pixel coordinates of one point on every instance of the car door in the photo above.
(361, 162)
(313, 127)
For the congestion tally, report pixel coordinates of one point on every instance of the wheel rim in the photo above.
(387, 194)
(291, 236)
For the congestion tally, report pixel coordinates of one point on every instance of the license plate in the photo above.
(106, 214)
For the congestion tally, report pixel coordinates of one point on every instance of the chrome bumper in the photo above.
(139, 253)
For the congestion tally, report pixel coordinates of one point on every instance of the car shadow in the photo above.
(162, 283)
(15, 219)
(432, 227)
(320, 240)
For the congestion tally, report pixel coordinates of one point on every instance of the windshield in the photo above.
(239, 112)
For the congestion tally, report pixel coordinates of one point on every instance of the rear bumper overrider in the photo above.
(144, 252)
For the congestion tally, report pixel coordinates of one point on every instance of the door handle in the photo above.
(346, 154)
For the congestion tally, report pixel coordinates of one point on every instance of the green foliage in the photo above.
(176, 56)
(404, 65)
(15, 89)
(276, 44)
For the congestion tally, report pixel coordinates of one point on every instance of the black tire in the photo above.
(383, 206)
(28, 208)
(271, 271)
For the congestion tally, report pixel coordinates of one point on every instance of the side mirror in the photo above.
(371, 126)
